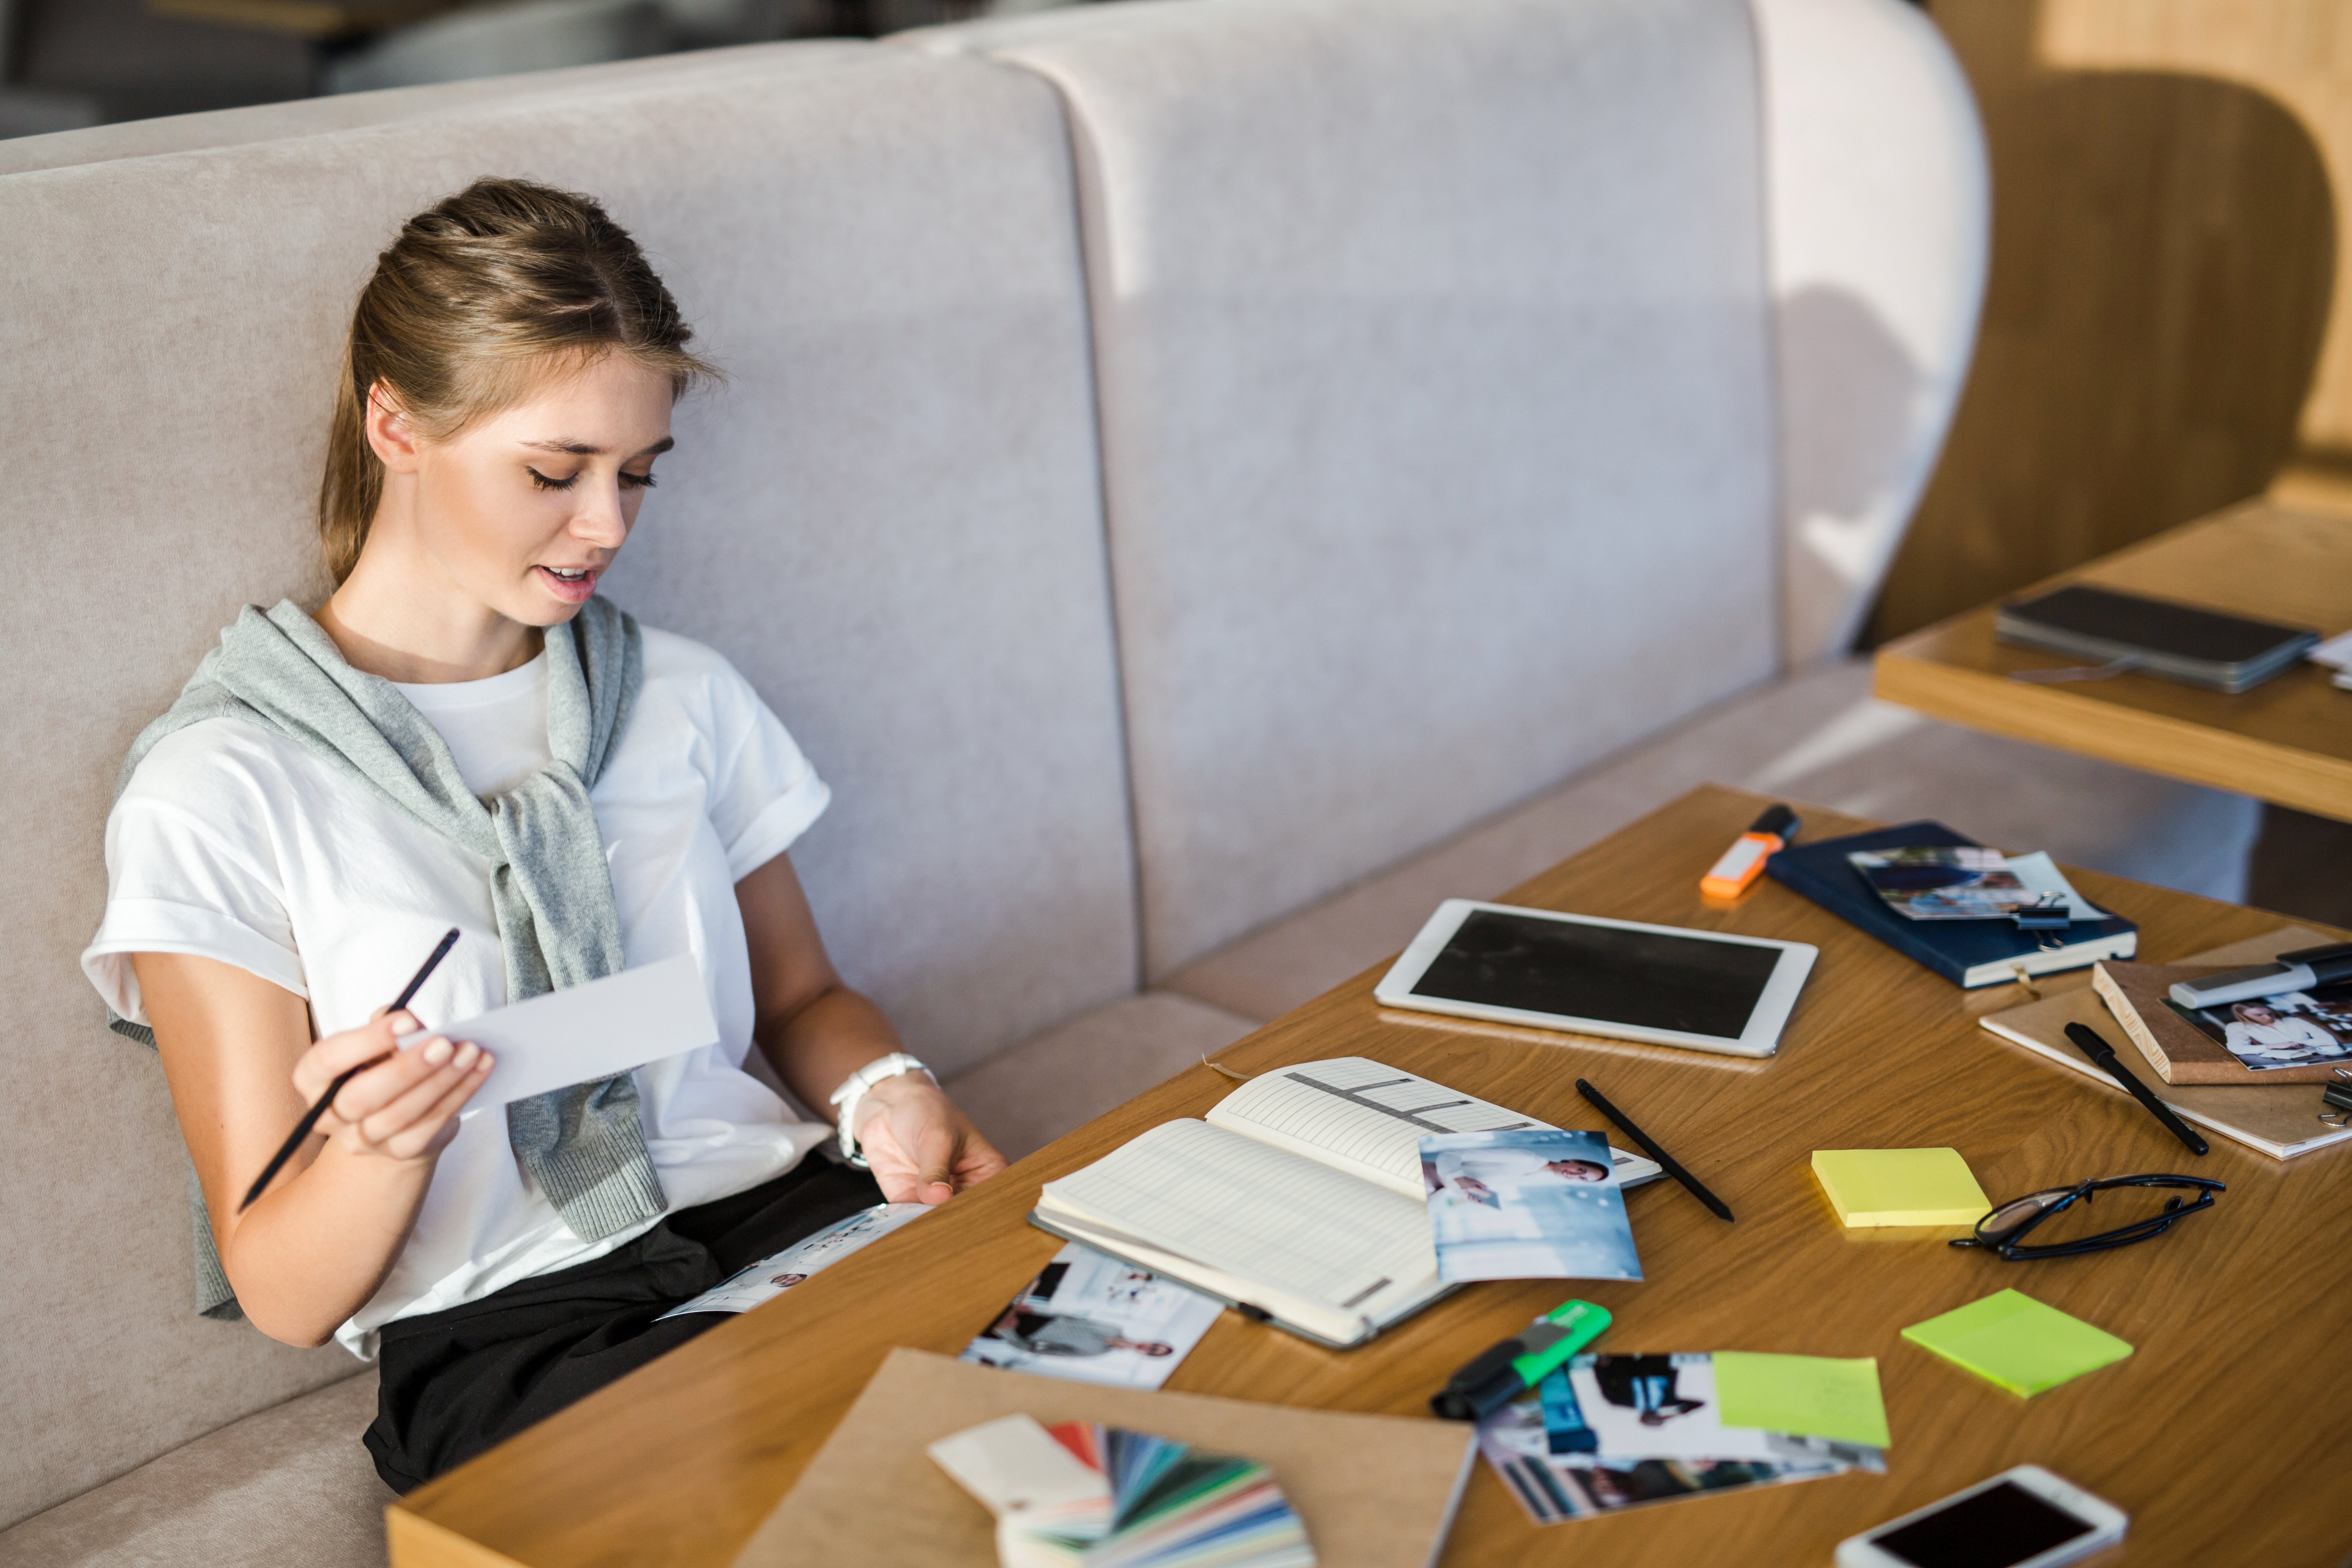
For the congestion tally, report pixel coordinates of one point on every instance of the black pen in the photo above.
(310, 1117)
(1666, 1161)
(2087, 1040)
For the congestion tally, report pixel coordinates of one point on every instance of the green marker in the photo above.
(1504, 1372)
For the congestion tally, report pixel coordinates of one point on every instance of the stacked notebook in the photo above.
(1085, 1495)
(2281, 1120)
(1968, 952)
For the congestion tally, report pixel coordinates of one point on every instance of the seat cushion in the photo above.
(287, 1485)
(1821, 738)
(1025, 1097)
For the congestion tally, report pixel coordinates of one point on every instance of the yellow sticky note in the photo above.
(2018, 1342)
(1810, 1395)
(1900, 1186)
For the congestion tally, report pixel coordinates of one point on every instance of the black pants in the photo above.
(457, 1383)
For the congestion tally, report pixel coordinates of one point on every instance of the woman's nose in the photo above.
(600, 520)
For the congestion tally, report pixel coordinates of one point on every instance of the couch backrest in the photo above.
(1435, 377)
(1878, 224)
(890, 520)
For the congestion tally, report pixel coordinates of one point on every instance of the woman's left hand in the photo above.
(922, 1149)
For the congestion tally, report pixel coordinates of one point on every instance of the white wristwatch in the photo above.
(853, 1088)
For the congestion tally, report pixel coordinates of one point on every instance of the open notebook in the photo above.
(1299, 1199)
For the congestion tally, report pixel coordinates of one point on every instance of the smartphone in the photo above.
(2024, 1518)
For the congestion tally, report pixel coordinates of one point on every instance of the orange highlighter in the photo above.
(1741, 864)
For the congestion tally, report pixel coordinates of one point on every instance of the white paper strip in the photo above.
(587, 1032)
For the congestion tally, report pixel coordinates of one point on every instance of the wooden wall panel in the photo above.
(2156, 339)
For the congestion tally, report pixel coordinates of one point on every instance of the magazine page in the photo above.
(1368, 1119)
(772, 1277)
(1093, 1318)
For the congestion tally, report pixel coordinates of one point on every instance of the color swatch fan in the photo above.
(1082, 1495)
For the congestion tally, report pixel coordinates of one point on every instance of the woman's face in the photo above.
(523, 511)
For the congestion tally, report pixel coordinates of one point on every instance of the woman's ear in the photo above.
(390, 435)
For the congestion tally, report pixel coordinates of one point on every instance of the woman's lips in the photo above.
(570, 590)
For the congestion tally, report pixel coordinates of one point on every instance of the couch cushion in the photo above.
(890, 520)
(1437, 416)
(1025, 1097)
(1821, 738)
(291, 1484)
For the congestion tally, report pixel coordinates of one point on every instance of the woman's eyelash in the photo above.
(635, 481)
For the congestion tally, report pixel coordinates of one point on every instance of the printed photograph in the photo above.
(2291, 1029)
(1575, 1484)
(1526, 1204)
(1092, 1319)
(1944, 884)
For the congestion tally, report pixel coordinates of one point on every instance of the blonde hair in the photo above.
(478, 299)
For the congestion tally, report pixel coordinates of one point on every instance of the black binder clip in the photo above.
(2047, 912)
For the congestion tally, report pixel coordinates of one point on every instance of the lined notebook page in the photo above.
(1255, 1211)
(1362, 1115)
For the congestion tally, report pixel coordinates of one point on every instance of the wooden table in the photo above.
(2224, 1436)
(2288, 740)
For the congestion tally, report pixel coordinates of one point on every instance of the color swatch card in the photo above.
(2014, 1341)
(1085, 1495)
(1613, 1432)
(1900, 1186)
(1092, 1319)
(1528, 1203)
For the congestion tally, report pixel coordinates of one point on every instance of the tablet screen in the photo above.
(1642, 977)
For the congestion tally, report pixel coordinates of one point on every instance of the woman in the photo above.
(464, 735)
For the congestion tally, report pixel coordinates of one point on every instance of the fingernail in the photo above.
(484, 1065)
(465, 1054)
(437, 1052)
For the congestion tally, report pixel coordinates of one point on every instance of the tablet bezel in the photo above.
(1766, 1019)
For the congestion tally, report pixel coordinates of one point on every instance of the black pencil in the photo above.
(310, 1117)
(1666, 1161)
(2103, 1055)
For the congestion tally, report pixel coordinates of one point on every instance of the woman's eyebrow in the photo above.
(590, 450)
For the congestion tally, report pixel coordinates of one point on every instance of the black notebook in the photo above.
(2202, 648)
(1967, 952)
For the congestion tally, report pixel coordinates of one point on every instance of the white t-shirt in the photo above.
(240, 845)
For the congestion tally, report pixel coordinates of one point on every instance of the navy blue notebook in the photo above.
(1967, 952)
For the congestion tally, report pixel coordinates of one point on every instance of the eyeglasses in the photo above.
(2005, 1228)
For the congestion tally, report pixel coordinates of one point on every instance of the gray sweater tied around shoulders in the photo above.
(552, 891)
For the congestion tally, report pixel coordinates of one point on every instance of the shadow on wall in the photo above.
(2163, 247)
(1851, 392)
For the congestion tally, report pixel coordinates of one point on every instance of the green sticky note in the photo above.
(2018, 1342)
(1900, 1186)
(1810, 1395)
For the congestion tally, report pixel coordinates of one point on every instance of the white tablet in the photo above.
(1660, 984)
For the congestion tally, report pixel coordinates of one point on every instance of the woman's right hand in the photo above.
(403, 1108)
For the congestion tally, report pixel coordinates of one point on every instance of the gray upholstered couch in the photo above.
(1203, 478)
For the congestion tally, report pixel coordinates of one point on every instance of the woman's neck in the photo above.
(402, 620)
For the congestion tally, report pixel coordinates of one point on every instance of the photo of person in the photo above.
(2290, 1029)
(1094, 1319)
(1526, 1203)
